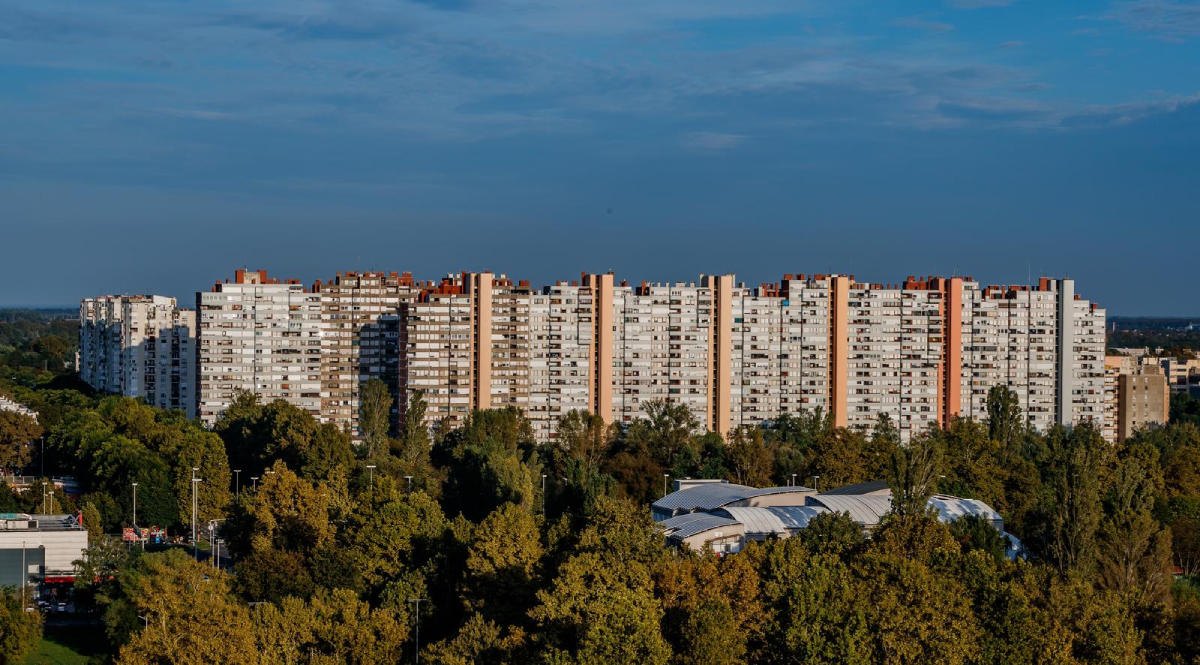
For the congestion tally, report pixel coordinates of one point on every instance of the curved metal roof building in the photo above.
(773, 520)
(710, 497)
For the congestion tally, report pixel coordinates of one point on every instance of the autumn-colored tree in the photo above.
(190, 614)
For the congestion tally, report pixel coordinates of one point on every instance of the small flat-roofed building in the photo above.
(775, 522)
(714, 496)
(701, 531)
(47, 545)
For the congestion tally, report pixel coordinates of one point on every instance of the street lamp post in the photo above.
(793, 480)
(815, 479)
(418, 628)
(543, 495)
(666, 476)
(195, 542)
(51, 495)
(43, 497)
(254, 483)
(237, 484)
(371, 472)
(409, 479)
(135, 526)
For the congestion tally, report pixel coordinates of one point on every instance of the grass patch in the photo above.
(69, 645)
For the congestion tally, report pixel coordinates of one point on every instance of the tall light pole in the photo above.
(815, 479)
(237, 484)
(543, 495)
(254, 483)
(793, 480)
(43, 497)
(51, 495)
(195, 543)
(135, 507)
(409, 479)
(371, 471)
(418, 626)
(666, 476)
(43, 456)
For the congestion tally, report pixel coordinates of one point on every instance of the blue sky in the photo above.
(157, 146)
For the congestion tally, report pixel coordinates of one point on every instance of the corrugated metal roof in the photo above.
(714, 496)
(870, 487)
(686, 526)
(867, 510)
(951, 508)
(773, 519)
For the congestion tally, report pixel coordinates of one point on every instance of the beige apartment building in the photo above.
(140, 346)
(921, 352)
(261, 335)
(1137, 394)
(360, 334)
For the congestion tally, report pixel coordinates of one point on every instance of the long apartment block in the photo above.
(140, 346)
(922, 351)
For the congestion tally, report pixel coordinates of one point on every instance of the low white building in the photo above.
(39, 548)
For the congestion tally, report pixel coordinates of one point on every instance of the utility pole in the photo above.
(418, 628)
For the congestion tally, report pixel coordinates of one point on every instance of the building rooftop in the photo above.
(686, 526)
(716, 495)
(27, 522)
(866, 509)
(773, 519)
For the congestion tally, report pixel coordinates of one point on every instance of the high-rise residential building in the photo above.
(1143, 398)
(260, 335)
(921, 352)
(139, 346)
(360, 337)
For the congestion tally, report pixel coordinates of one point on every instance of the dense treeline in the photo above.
(37, 341)
(334, 542)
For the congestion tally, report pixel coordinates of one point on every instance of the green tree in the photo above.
(501, 566)
(913, 474)
(1078, 458)
(816, 609)
(20, 631)
(750, 460)
(374, 414)
(1005, 422)
(18, 434)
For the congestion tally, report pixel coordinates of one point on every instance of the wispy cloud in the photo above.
(712, 141)
(979, 4)
(1172, 21)
(916, 23)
